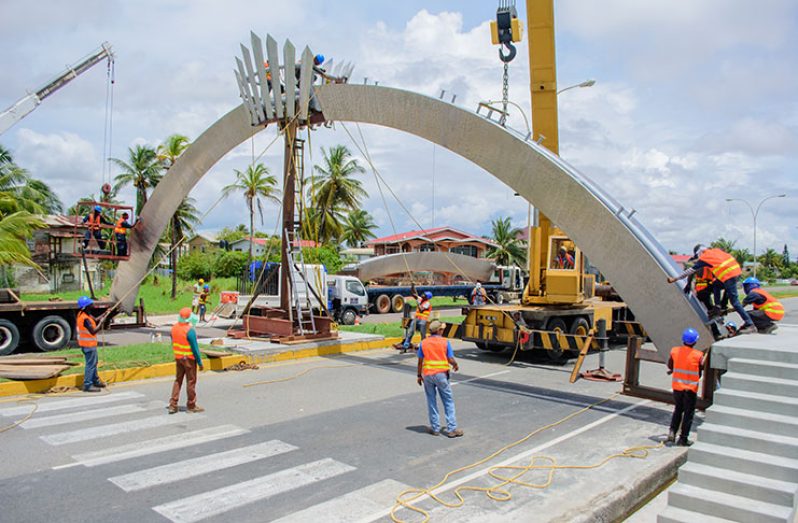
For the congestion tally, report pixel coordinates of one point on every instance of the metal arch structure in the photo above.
(471, 268)
(611, 237)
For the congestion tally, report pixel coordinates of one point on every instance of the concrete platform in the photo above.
(261, 347)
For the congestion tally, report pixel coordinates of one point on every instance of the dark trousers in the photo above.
(121, 245)
(185, 367)
(90, 376)
(705, 297)
(683, 411)
(730, 286)
(760, 319)
(97, 236)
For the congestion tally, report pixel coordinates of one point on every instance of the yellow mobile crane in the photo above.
(559, 307)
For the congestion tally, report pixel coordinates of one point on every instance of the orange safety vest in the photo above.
(772, 307)
(119, 229)
(435, 360)
(86, 339)
(94, 221)
(703, 281)
(723, 265)
(565, 262)
(180, 344)
(422, 312)
(686, 368)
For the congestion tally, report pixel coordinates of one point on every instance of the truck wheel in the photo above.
(383, 304)
(51, 333)
(500, 299)
(489, 346)
(556, 325)
(397, 303)
(348, 317)
(580, 327)
(9, 337)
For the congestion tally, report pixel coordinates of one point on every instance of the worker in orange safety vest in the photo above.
(435, 358)
(726, 270)
(94, 221)
(120, 234)
(767, 309)
(684, 366)
(87, 327)
(187, 359)
(420, 319)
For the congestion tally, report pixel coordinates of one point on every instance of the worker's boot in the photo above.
(92, 389)
(747, 329)
(671, 437)
(195, 409)
(172, 410)
(684, 442)
(101, 384)
(770, 329)
(456, 433)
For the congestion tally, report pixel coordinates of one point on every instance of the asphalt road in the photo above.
(342, 440)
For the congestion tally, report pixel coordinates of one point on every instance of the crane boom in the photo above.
(28, 103)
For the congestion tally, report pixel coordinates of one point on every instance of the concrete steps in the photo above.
(729, 506)
(744, 465)
(757, 401)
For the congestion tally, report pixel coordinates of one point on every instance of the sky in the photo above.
(694, 102)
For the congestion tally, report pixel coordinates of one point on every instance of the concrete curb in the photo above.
(14, 388)
(620, 503)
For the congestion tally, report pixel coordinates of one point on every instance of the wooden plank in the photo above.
(34, 372)
(581, 358)
(36, 361)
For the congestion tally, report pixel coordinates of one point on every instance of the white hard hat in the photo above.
(479, 285)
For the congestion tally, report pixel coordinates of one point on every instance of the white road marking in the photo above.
(481, 377)
(215, 502)
(154, 446)
(85, 415)
(359, 505)
(190, 468)
(46, 405)
(73, 436)
(517, 457)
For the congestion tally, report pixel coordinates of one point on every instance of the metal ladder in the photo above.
(304, 312)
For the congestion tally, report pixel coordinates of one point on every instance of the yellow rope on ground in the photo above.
(499, 492)
(295, 376)
(23, 420)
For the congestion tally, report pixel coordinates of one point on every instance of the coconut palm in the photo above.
(334, 190)
(741, 255)
(142, 170)
(509, 250)
(257, 185)
(186, 215)
(358, 228)
(723, 244)
(20, 191)
(770, 258)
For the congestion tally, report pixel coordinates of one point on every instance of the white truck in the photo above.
(347, 298)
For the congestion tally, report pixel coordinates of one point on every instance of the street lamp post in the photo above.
(754, 214)
(586, 83)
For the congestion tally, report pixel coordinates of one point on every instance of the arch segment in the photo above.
(635, 263)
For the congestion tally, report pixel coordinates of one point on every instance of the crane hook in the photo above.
(507, 58)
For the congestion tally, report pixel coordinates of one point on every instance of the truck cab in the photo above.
(347, 298)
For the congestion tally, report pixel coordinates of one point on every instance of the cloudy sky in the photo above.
(694, 102)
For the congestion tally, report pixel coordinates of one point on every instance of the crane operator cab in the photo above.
(566, 280)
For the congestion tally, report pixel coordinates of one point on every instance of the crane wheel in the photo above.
(580, 327)
(557, 325)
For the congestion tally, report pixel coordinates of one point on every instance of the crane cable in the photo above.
(499, 491)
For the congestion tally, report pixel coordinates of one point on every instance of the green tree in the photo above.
(785, 257)
(233, 235)
(770, 258)
(142, 170)
(509, 249)
(358, 228)
(741, 255)
(257, 185)
(335, 190)
(196, 265)
(326, 255)
(229, 263)
(723, 244)
(21, 192)
(186, 216)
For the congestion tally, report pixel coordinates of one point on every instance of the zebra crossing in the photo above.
(133, 417)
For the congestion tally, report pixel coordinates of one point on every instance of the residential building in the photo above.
(261, 245)
(203, 242)
(442, 239)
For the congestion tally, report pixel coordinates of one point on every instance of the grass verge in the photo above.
(389, 330)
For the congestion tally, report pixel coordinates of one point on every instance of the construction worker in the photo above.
(435, 358)
(478, 295)
(94, 221)
(420, 319)
(564, 260)
(198, 287)
(704, 288)
(87, 327)
(684, 365)
(767, 309)
(187, 359)
(203, 301)
(120, 234)
(726, 270)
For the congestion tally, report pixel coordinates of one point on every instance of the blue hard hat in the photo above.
(751, 283)
(730, 325)
(428, 295)
(690, 336)
(318, 59)
(207, 287)
(98, 208)
(85, 301)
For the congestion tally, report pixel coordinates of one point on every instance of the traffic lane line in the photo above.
(509, 461)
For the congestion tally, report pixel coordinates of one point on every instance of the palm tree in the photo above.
(142, 171)
(770, 258)
(335, 190)
(741, 255)
(256, 183)
(23, 192)
(509, 249)
(186, 215)
(358, 228)
(723, 244)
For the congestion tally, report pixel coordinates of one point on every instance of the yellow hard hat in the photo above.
(201, 280)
